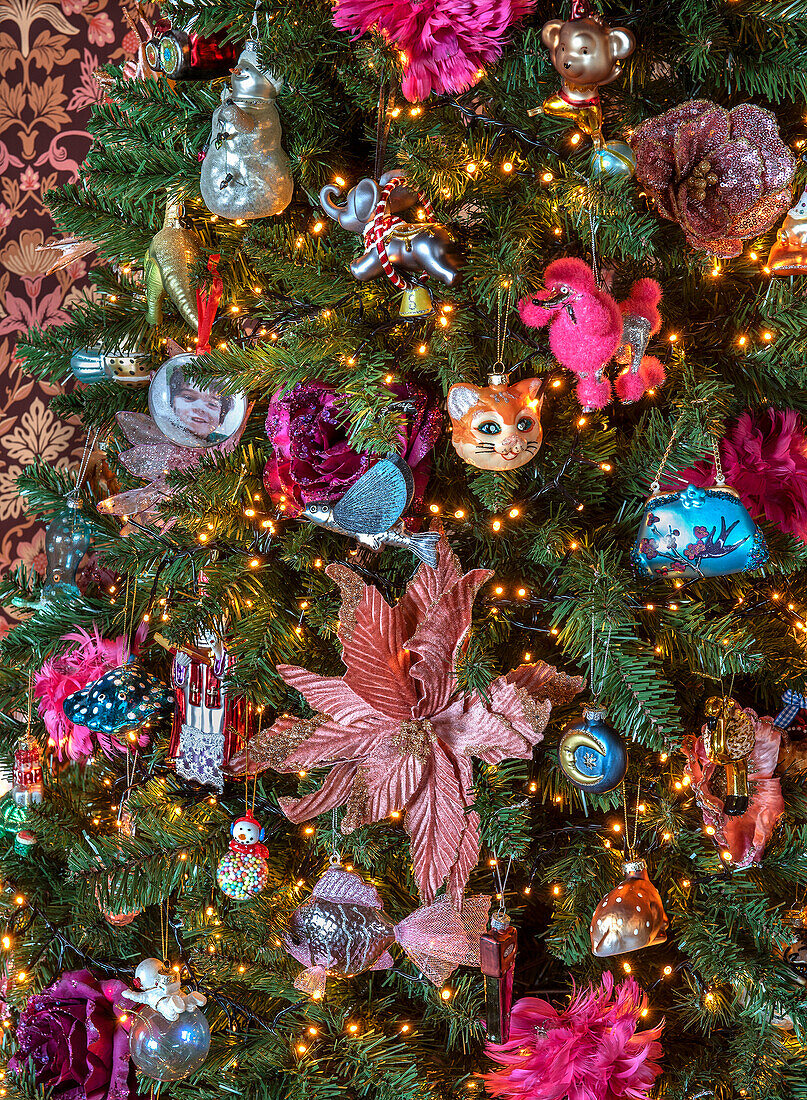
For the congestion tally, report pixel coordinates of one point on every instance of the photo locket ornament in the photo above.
(697, 532)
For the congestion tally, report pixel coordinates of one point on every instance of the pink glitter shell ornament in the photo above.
(591, 1050)
(745, 836)
(724, 176)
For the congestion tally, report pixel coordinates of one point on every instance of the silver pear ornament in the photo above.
(245, 173)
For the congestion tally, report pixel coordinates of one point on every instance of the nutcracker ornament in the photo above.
(245, 173)
(789, 253)
(394, 245)
(342, 930)
(208, 725)
(631, 916)
(243, 871)
(586, 52)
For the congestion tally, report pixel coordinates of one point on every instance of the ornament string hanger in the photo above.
(336, 856)
(630, 845)
(498, 375)
(597, 685)
(502, 885)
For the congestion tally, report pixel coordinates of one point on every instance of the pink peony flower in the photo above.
(764, 457)
(101, 29)
(29, 180)
(589, 1051)
(311, 456)
(445, 43)
(722, 175)
(5, 216)
(90, 658)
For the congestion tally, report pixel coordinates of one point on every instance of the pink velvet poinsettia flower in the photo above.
(395, 731)
(445, 44)
(722, 175)
(764, 457)
(745, 836)
(591, 1050)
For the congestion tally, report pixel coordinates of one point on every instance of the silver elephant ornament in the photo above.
(245, 173)
(411, 246)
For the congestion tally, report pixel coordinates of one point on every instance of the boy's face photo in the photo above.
(199, 412)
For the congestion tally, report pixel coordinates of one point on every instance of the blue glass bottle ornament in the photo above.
(91, 365)
(697, 532)
(614, 158)
(591, 753)
(67, 540)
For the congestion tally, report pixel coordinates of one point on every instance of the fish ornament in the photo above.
(371, 510)
(342, 930)
(125, 699)
(631, 916)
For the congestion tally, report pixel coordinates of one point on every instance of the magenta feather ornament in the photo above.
(444, 44)
(88, 659)
(590, 1050)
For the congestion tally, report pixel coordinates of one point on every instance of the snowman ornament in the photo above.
(156, 987)
(245, 173)
(243, 871)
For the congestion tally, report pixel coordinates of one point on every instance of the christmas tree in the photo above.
(361, 645)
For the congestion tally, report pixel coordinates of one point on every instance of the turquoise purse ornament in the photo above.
(696, 532)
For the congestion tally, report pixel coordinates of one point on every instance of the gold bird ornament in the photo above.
(167, 268)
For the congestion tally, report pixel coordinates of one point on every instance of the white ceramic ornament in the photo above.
(245, 173)
(157, 988)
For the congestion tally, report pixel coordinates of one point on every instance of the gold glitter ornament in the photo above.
(167, 268)
(631, 916)
(728, 739)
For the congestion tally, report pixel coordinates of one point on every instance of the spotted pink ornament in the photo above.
(744, 837)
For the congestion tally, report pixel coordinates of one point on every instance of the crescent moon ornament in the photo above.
(591, 753)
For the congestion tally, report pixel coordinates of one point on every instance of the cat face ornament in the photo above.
(498, 426)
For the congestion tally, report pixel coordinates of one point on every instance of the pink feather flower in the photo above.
(90, 658)
(589, 1051)
(764, 457)
(445, 43)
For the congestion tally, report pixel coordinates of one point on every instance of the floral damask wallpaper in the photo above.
(48, 54)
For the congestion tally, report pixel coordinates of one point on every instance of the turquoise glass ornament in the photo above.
(697, 533)
(591, 753)
(124, 699)
(614, 159)
(67, 540)
(91, 365)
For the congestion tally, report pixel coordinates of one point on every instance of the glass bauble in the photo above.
(168, 1050)
(592, 754)
(242, 875)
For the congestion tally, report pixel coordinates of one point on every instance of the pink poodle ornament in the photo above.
(746, 835)
(588, 328)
